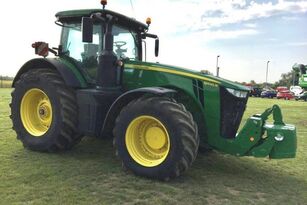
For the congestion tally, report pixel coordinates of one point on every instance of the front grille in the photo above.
(232, 109)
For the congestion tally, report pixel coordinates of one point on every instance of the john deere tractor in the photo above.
(98, 84)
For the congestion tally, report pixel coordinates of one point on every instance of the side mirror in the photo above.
(87, 30)
(157, 47)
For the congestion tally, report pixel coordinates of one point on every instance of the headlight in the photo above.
(305, 78)
(237, 93)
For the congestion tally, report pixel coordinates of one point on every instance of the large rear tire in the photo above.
(44, 111)
(156, 137)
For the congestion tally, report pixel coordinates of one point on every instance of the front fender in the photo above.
(70, 74)
(127, 97)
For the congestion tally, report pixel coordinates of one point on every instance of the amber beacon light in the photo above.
(148, 21)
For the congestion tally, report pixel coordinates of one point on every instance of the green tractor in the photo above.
(301, 74)
(99, 85)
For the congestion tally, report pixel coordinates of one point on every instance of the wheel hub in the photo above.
(41, 112)
(155, 138)
(147, 141)
(44, 110)
(36, 112)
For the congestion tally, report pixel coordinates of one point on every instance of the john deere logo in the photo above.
(279, 137)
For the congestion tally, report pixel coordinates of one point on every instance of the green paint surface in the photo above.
(75, 70)
(140, 74)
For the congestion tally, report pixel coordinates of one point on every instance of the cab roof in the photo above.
(76, 15)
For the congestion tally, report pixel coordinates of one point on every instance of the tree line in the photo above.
(6, 81)
(286, 79)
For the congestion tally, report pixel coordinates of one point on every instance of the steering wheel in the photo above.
(119, 44)
(119, 51)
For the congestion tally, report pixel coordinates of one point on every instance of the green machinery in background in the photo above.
(98, 84)
(301, 74)
(300, 71)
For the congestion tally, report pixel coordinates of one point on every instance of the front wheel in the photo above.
(156, 137)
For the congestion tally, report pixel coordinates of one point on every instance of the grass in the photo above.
(91, 174)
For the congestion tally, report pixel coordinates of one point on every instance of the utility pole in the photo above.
(217, 66)
(266, 76)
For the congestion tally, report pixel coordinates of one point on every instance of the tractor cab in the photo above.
(84, 38)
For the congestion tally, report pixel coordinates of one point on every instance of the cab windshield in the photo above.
(85, 55)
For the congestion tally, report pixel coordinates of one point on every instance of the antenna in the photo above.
(133, 12)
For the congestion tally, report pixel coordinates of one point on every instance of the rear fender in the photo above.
(70, 74)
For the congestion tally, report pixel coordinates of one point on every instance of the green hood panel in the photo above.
(184, 72)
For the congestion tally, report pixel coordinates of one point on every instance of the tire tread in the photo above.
(188, 136)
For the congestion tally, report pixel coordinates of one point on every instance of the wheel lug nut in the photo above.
(41, 111)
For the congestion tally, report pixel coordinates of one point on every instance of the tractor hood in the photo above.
(184, 72)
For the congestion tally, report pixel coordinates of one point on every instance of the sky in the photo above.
(245, 34)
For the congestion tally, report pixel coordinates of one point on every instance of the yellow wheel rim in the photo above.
(36, 112)
(147, 141)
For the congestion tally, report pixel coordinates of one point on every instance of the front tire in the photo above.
(156, 137)
(44, 111)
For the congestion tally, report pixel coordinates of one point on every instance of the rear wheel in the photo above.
(44, 112)
(156, 137)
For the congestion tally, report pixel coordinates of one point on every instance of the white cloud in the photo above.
(208, 35)
(238, 12)
(207, 14)
(250, 25)
(297, 44)
(185, 17)
(184, 27)
(272, 39)
(290, 18)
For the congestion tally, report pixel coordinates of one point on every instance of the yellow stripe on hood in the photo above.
(165, 70)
